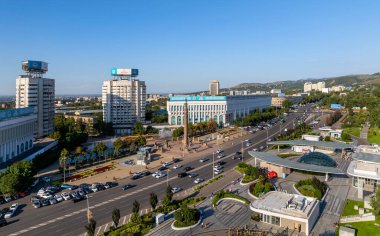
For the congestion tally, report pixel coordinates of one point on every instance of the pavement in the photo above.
(68, 218)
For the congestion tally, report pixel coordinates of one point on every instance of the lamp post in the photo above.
(242, 151)
(213, 161)
(167, 177)
(89, 213)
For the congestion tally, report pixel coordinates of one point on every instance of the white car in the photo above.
(166, 164)
(254, 150)
(218, 171)
(11, 211)
(46, 195)
(219, 151)
(66, 196)
(176, 190)
(59, 198)
(203, 160)
(160, 175)
(220, 155)
(177, 167)
(14, 207)
(218, 167)
(155, 174)
(198, 180)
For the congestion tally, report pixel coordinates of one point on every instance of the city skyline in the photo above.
(179, 46)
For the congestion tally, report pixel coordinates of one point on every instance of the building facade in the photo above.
(309, 86)
(32, 90)
(365, 170)
(214, 87)
(286, 210)
(17, 127)
(222, 109)
(124, 101)
(277, 101)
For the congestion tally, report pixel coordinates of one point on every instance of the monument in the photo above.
(186, 127)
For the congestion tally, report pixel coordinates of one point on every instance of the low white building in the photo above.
(17, 128)
(328, 131)
(291, 211)
(222, 109)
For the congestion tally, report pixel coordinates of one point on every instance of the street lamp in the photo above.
(89, 213)
(242, 151)
(167, 177)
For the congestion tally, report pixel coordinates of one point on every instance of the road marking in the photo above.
(99, 230)
(125, 217)
(105, 228)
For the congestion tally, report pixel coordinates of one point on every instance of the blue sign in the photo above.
(335, 106)
(197, 98)
(13, 113)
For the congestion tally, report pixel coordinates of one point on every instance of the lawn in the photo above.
(349, 210)
(374, 135)
(286, 155)
(365, 228)
(355, 131)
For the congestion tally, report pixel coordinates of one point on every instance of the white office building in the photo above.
(214, 87)
(222, 109)
(17, 127)
(123, 100)
(32, 90)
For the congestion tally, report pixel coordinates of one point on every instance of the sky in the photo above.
(178, 46)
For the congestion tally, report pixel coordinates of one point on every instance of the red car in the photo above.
(272, 175)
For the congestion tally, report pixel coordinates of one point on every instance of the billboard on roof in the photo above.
(34, 66)
(124, 72)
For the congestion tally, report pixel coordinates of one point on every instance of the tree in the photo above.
(153, 200)
(63, 156)
(100, 147)
(138, 128)
(136, 207)
(287, 104)
(140, 141)
(79, 150)
(117, 145)
(116, 216)
(375, 202)
(91, 227)
(166, 201)
(169, 192)
(10, 184)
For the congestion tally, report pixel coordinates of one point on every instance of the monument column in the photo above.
(186, 126)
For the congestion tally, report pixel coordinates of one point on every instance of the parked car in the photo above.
(8, 198)
(177, 167)
(52, 201)
(188, 168)
(160, 175)
(219, 151)
(166, 164)
(78, 199)
(198, 180)
(46, 179)
(176, 189)
(66, 195)
(69, 186)
(12, 210)
(218, 171)
(36, 204)
(127, 186)
(254, 150)
(182, 174)
(45, 202)
(59, 198)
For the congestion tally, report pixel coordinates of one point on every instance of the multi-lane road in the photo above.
(68, 218)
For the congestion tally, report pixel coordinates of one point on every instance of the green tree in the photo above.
(90, 228)
(140, 141)
(165, 201)
(116, 216)
(10, 184)
(138, 128)
(287, 104)
(153, 200)
(118, 145)
(64, 155)
(100, 147)
(136, 207)
(169, 192)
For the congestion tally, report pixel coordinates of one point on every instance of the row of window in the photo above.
(178, 120)
(198, 107)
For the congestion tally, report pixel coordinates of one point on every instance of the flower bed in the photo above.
(199, 187)
(90, 172)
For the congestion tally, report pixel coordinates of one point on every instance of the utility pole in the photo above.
(167, 177)
(89, 213)
(242, 151)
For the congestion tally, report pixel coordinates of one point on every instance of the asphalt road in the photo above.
(68, 218)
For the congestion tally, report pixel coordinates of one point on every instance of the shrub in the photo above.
(311, 187)
(186, 216)
(223, 194)
(261, 187)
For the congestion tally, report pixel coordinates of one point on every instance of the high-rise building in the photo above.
(214, 87)
(308, 86)
(123, 100)
(33, 90)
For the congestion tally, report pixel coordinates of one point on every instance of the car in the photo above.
(221, 163)
(176, 189)
(220, 155)
(45, 202)
(198, 180)
(58, 197)
(95, 187)
(177, 167)
(146, 173)
(127, 186)
(188, 168)
(12, 210)
(8, 198)
(218, 171)
(218, 167)
(203, 160)
(248, 144)
(175, 160)
(155, 173)
(182, 174)
(78, 199)
(166, 164)
(160, 175)
(46, 195)
(3, 222)
(52, 201)
(69, 186)
(36, 204)
(112, 184)
(65, 196)
(219, 151)
(35, 198)
(14, 207)
(192, 175)
(254, 150)
(81, 193)
(46, 179)
(162, 168)
(107, 186)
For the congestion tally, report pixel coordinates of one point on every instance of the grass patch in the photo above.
(354, 131)
(250, 173)
(286, 155)
(349, 210)
(374, 135)
(365, 228)
(261, 187)
(199, 187)
(223, 194)
(311, 187)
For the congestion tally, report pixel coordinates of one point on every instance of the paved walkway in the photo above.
(363, 139)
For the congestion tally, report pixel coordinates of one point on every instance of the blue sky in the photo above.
(179, 46)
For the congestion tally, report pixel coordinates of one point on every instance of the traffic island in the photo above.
(186, 218)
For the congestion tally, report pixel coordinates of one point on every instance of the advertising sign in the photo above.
(35, 65)
(124, 72)
(197, 98)
(335, 106)
(13, 113)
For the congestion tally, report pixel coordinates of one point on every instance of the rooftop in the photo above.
(333, 145)
(275, 160)
(366, 157)
(285, 203)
